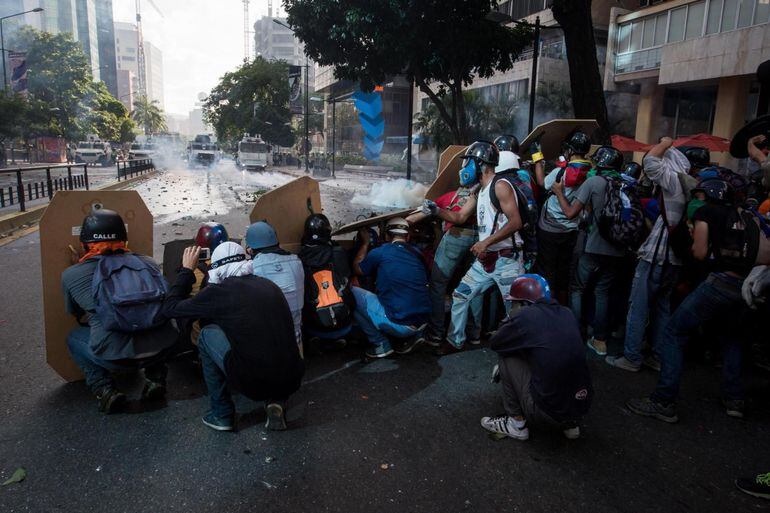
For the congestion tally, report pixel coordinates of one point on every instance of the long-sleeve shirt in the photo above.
(663, 173)
(264, 361)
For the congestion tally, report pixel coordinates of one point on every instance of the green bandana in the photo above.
(693, 206)
(607, 173)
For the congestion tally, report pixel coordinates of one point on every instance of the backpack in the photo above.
(575, 173)
(621, 220)
(746, 240)
(679, 237)
(128, 291)
(328, 307)
(528, 210)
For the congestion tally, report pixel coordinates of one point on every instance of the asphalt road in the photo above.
(397, 435)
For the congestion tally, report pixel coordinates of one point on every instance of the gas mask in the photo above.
(469, 174)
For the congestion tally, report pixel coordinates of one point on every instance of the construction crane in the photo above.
(141, 61)
(246, 32)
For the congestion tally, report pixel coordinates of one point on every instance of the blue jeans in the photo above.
(98, 371)
(371, 317)
(473, 284)
(599, 271)
(213, 347)
(650, 298)
(714, 299)
(450, 253)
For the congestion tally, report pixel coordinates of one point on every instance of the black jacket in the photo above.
(264, 361)
(547, 336)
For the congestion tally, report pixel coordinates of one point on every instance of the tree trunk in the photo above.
(574, 16)
(450, 120)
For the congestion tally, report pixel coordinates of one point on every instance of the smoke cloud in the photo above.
(399, 193)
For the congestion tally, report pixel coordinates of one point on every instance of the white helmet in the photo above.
(508, 161)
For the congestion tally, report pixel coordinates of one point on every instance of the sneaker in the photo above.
(734, 408)
(110, 400)
(474, 340)
(505, 425)
(646, 407)
(153, 390)
(433, 340)
(572, 432)
(380, 351)
(652, 362)
(447, 348)
(757, 487)
(621, 363)
(597, 346)
(276, 420)
(407, 345)
(218, 423)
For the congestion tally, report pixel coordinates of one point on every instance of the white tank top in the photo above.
(485, 217)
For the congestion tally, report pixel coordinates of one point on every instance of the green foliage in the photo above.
(62, 99)
(148, 115)
(443, 45)
(253, 99)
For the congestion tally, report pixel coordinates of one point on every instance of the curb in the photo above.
(12, 222)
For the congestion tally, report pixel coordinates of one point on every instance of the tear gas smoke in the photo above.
(400, 193)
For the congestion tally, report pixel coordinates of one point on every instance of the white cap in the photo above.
(508, 160)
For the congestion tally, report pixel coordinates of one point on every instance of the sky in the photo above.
(200, 41)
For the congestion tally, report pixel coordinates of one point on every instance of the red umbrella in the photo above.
(708, 141)
(627, 144)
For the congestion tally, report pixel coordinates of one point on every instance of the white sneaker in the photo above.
(505, 425)
(572, 433)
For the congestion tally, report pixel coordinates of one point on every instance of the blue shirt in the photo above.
(402, 282)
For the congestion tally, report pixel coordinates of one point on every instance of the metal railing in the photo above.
(130, 168)
(36, 187)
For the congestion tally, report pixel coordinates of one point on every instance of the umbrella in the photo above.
(622, 143)
(708, 141)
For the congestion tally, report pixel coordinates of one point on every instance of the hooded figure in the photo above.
(229, 259)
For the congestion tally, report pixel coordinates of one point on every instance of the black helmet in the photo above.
(507, 142)
(716, 190)
(317, 229)
(633, 170)
(483, 151)
(698, 157)
(579, 143)
(607, 157)
(103, 225)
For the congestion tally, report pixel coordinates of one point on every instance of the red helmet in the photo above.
(529, 287)
(210, 235)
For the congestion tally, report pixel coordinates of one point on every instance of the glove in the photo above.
(537, 152)
(429, 208)
(756, 286)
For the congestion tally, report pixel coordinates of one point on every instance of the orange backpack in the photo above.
(331, 310)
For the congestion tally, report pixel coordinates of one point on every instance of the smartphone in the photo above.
(205, 254)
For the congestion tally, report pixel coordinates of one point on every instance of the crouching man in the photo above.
(115, 335)
(542, 364)
(247, 342)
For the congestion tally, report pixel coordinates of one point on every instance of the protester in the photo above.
(329, 303)
(450, 255)
(209, 236)
(401, 306)
(557, 234)
(509, 143)
(498, 252)
(660, 259)
(698, 157)
(543, 372)
(718, 239)
(247, 343)
(116, 336)
(269, 261)
(602, 259)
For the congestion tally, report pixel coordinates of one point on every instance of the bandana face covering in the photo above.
(100, 248)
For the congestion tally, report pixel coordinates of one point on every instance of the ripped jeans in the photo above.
(475, 282)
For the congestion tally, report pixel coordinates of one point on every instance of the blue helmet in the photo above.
(261, 235)
(529, 287)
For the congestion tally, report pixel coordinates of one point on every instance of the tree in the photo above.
(574, 17)
(441, 45)
(253, 99)
(148, 115)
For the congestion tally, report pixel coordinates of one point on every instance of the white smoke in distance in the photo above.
(399, 193)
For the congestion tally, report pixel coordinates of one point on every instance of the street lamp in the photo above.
(2, 40)
(307, 99)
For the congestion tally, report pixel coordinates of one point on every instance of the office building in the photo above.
(273, 41)
(126, 53)
(692, 63)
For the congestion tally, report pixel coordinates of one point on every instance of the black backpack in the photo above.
(528, 211)
(329, 303)
(745, 242)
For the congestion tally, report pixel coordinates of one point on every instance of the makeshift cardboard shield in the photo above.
(372, 221)
(60, 229)
(448, 177)
(286, 209)
(552, 134)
